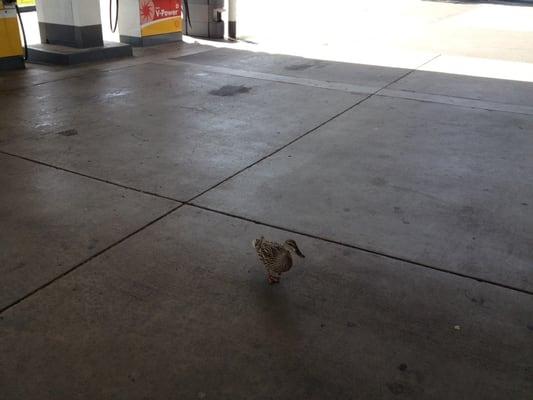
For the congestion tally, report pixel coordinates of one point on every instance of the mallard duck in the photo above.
(276, 257)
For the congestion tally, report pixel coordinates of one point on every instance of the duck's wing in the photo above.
(270, 253)
(275, 257)
(284, 262)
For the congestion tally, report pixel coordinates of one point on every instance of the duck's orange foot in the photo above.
(273, 279)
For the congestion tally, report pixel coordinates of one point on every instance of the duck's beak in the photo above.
(298, 252)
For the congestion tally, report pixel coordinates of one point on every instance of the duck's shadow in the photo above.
(276, 305)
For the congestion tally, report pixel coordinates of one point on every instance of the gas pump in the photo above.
(12, 54)
(147, 22)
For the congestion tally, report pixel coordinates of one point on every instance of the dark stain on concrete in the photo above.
(402, 367)
(19, 265)
(396, 388)
(299, 66)
(230, 90)
(378, 181)
(468, 215)
(477, 300)
(419, 376)
(350, 324)
(302, 66)
(68, 132)
(92, 244)
(399, 211)
(530, 326)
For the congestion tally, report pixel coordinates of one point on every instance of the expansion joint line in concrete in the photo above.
(364, 249)
(120, 185)
(14, 89)
(320, 125)
(368, 96)
(191, 204)
(280, 148)
(405, 94)
(82, 72)
(408, 73)
(79, 265)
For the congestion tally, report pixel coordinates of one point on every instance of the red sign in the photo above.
(154, 10)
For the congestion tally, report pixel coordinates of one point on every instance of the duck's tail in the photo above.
(257, 243)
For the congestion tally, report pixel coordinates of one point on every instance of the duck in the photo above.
(276, 257)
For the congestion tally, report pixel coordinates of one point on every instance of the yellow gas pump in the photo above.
(11, 51)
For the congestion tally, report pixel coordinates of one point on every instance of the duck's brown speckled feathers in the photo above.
(276, 257)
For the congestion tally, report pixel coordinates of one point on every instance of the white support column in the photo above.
(74, 23)
(232, 19)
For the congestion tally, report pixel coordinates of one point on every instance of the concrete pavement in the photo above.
(131, 192)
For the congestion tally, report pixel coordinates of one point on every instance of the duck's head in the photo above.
(293, 247)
